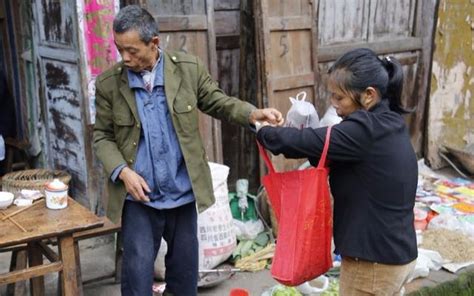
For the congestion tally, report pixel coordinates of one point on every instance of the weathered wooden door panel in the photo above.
(391, 19)
(283, 8)
(410, 62)
(383, 25)
(342, 21)
(177, 7)
(239, 152)
(65, 120)
(287, 34)
(288, 48)
(61, 95)
(56, 23)
(188, 26)
(227, 18)
(187, 42)
(291, 52)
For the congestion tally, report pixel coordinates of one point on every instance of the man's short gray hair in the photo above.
(133, 17)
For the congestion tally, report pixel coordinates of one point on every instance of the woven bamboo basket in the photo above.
(32, 179)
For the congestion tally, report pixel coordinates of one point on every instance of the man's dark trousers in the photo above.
(142, 230)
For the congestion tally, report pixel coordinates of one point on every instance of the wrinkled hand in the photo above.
(135, 184)
(269, 115)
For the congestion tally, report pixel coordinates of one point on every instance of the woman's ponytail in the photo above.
(395, 84)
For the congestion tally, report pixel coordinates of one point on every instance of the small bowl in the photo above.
(6, 199)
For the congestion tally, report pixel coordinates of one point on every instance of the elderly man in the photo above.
(147, 137)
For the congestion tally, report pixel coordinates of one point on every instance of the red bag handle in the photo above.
(322, 160)
(266, 158)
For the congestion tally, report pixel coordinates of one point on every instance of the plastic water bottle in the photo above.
(242, 188)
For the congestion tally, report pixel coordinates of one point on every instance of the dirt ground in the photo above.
(97, 259)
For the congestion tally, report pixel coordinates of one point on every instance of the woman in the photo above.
(373, 174)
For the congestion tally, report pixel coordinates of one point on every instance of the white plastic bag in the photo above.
(301, 114)
(315, 286)
(330, 117)
(247, 230)
(427, 260)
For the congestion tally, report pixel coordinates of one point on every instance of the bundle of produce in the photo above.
(257, 260)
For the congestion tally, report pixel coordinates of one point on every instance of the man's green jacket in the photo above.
(188, 87)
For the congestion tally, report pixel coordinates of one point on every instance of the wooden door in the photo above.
(403, 29)
(300, 40)
(227, 28)
(60, 90)
(287, 52)
(188, 26)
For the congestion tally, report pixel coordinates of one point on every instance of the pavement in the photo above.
(97, 259)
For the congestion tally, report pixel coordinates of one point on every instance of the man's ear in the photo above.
(370, 98)
(156, 41)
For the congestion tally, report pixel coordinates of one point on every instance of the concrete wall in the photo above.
(451, 104)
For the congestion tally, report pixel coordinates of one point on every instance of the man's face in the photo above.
(136, 55)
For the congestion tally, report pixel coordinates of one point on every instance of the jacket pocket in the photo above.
(184, 104)
(185, 113)
(123, 125)
(122, 115)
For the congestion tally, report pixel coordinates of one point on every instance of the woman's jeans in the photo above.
(359, 277)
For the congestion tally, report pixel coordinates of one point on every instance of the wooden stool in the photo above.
(19, 260)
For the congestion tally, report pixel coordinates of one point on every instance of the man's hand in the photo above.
(270, 115)
(135, 184)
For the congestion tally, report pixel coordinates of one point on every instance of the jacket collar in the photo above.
(380, 107)
(172, 83)
(171, 77)
(127, 92)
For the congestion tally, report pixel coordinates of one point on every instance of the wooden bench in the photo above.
(19, 256)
